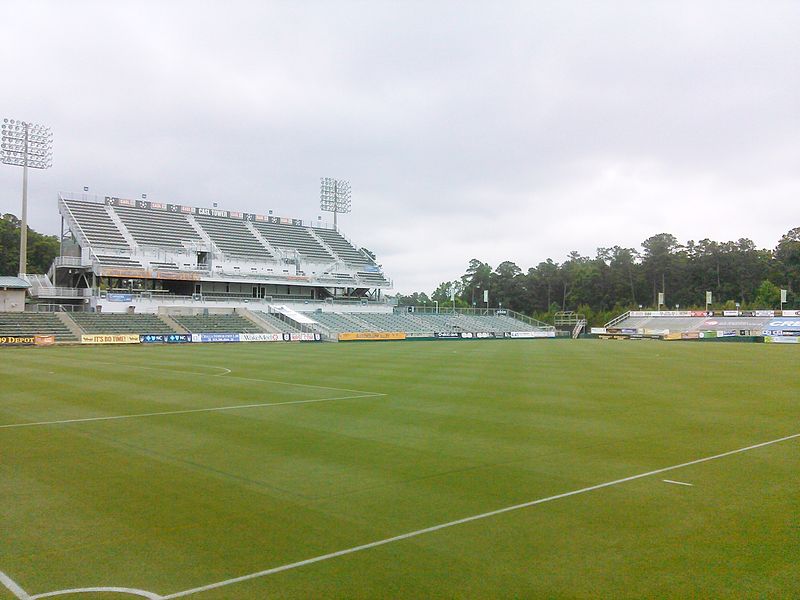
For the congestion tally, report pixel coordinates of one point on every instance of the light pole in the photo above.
(25, 145)
(437, 306)
(334, 196)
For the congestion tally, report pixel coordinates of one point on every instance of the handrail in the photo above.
(618, 319)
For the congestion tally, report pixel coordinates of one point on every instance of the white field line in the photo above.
(485, 515)
(227, 375)
(188, 411)
(91, 590)
(677, 482)
(12, 586)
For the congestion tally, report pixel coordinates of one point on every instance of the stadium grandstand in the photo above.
(119, 254)
(776, 325)
(131, 268)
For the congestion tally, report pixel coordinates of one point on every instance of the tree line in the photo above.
(42, 249)
(617, 279)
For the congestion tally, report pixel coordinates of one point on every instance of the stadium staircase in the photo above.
(172, 323)
(260, 319)
(70, 324)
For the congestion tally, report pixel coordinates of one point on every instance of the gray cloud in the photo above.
(513, 131)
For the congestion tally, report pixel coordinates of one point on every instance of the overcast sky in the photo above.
(491, 130)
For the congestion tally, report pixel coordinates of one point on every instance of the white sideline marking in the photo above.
(485, 515)
(677, 482)
(118, 590)
(187, 411)
(12, 586)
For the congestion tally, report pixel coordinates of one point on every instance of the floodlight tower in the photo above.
(25, 145)
(334, 196)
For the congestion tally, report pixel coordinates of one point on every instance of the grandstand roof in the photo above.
(14, 283)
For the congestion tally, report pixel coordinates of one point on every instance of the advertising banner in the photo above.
(447, 334)
(708, 334)
(171, 338)
(372, 335)
(661, 313)
(305, 337)
(117, 338)
(765, 313)
(783, 324)
(597, 330)
(263, 337)
(126, 273)
(203, 338)
(533, 334)
(782, 339)
(730, 313)
(17, 340)
(119, 297)
(790, 313)
(44, 340)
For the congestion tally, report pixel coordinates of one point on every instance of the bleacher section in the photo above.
(121, 323)
(29, 324)
(418, 323)
(118, 261)
(293, 237)
(344, 249)
(233, 237)
(692, 324)
(166, 231)
(95, 223)
(216, 324)
(337, 322)
(371, 278)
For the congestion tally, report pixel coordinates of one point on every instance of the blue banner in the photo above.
(120, 297)
(170, 338)
(219, 337)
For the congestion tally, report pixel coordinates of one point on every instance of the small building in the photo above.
(12, 294)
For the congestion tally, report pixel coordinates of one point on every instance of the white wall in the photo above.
(12, 300)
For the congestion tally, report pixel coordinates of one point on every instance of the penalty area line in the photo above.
(418, 532)
(13, 587)
(188, 411)
(226, 374)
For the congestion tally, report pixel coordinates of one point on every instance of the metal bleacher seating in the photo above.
(120, 323)
(344, 249)
(118, 261)
(233, 237)
(338, 322)
(418, 322)
(28, 324)
(293, 237)
(216, 324)
(96, 224)
(163, 265)
(371, 278)
(166, 231)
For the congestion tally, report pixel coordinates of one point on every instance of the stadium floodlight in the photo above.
(334, 196)
(26, 145)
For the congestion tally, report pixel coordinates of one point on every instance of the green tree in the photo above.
(42, 249)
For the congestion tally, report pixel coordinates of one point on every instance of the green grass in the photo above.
(167, 503)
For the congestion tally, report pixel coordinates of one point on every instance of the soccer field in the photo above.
(374, 470)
